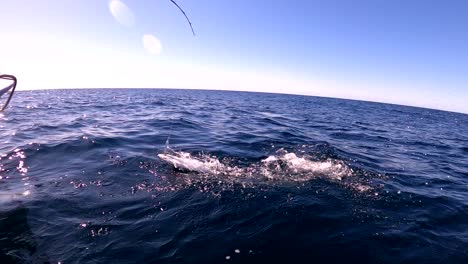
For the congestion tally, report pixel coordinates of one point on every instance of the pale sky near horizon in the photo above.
(406, 52)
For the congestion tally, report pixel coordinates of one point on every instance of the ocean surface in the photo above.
(187, 176)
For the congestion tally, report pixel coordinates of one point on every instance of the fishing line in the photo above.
(166, 145)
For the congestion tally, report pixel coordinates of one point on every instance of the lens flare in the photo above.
(122, 13)
(152, 44)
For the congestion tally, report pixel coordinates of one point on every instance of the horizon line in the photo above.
(246, 91)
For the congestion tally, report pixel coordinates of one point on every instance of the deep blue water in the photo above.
(273, 178)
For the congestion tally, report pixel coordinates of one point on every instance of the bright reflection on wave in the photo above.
(121, 13)
(13, 176)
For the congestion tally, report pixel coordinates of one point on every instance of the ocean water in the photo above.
(186, 176)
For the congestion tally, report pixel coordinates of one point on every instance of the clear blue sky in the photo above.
(409, 52)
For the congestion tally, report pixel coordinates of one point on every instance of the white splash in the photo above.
(185, 161)
(284, 167)
(290, 161)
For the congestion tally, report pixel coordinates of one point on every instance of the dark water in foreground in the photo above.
(260, 178)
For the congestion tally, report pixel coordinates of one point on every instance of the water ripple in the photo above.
(252, 178)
